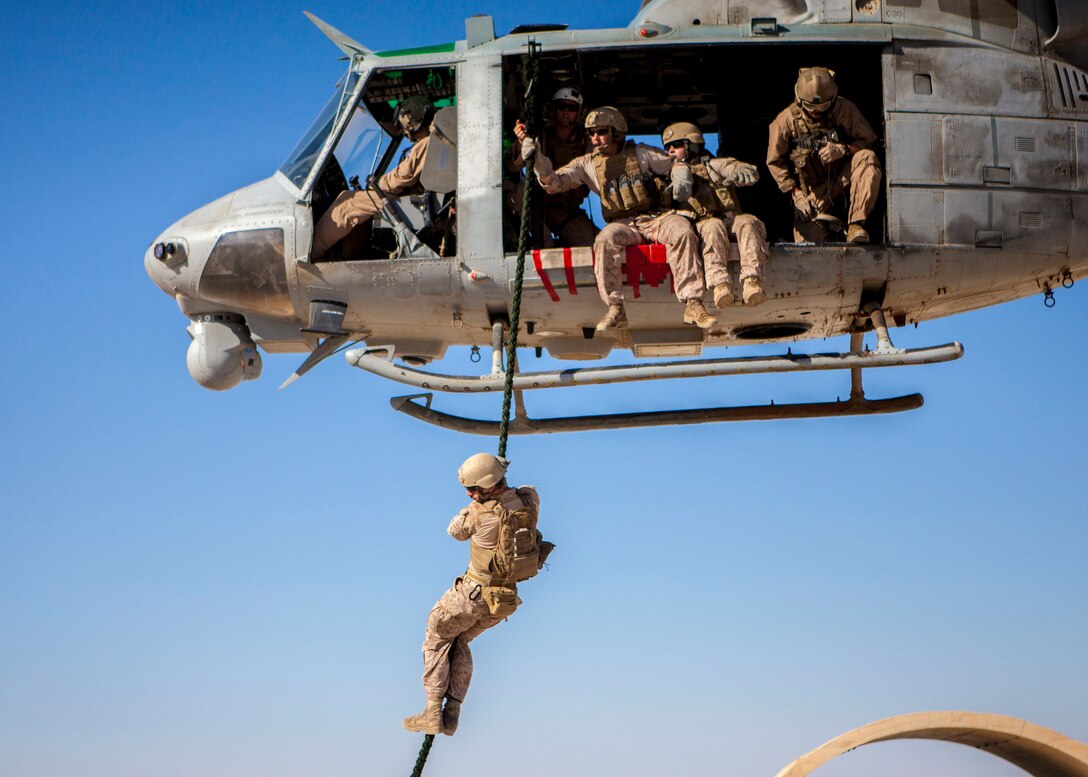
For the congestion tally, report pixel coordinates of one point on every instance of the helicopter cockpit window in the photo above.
(352, 220)
(301, 160)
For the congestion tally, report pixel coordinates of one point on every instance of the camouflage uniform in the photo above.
(720, 215)
(857, 173)
(461, 615)
(655, 226)
(353, 208)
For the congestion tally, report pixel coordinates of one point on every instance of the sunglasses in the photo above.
(676, 144)
(566, 108)
(599, 130)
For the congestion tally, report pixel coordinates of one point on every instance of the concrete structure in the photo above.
(1037, 750)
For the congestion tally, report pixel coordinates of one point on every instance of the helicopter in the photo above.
(982, 111)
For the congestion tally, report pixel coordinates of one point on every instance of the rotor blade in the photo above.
(347, 45)
(319, 354)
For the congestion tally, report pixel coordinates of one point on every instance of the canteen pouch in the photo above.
(501, 601)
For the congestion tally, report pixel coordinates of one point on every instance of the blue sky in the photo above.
(236, 583)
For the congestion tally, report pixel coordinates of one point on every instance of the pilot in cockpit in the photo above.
(352, 208)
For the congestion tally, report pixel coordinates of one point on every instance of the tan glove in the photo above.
(541, 164)
(832, 152)
(745, 174)
(803, 205)
(682, 182)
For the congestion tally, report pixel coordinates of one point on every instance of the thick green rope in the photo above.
(531, 69)
(424, 751)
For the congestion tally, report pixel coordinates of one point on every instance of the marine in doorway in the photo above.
(505, 548)
(820, 148)
(630, 178)
(715, 208)
(562, 140)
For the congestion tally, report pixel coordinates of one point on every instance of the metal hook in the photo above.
(1067, 279)
(475, 357)
(1048, 296)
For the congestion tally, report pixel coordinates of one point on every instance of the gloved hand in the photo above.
(803, 205)
(832, 152)
(541, 164)
(745, 174)
(528, 148)
(682, 182)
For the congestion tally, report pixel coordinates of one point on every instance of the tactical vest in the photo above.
(709, 199)
(626, 191)
(516, 557)
(805, 147)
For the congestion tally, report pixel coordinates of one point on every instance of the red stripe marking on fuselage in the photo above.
(544, 279)
(568, 267)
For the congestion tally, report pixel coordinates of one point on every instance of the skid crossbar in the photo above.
(367, 359)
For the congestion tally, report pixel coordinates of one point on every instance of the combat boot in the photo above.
(451, 714)
(753, 292)
(429, 721)
(696, 314)
(856, 233)
(723, 295)
(615, 318)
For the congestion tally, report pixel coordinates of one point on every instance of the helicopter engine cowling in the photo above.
(222, 353)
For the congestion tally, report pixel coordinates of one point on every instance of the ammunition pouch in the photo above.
(501, 601)
(626, 190)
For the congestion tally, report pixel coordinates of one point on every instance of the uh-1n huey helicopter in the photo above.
(982, 109)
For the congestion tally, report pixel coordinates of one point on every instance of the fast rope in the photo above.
(531, 67)
(424, 751)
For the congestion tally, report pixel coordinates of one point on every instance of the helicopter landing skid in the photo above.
(856, 404)
(383, 366)
(522, 424)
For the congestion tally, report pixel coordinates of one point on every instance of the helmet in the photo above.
(682, 130)
(569, 94)
(607, 116)
(815, 86)
(482, 471)
(414, 113)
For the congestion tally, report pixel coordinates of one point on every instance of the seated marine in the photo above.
(715, 208)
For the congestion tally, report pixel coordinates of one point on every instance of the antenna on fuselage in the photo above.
(349, 46)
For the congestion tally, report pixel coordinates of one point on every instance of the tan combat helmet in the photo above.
(682, 130)
(482, 471)
(607, 116)
(414, 113)
(816, 88)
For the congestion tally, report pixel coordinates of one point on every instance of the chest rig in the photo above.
(626, 191)
(709, 199)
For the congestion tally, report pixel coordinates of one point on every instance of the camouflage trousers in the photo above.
(455, 620)
(751, 235)
(861, 177)
(348, 211)
(674, 231)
